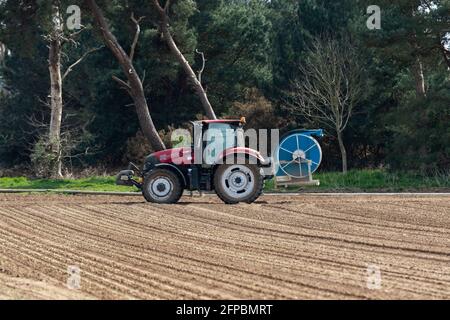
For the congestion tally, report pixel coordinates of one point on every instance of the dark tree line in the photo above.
(252, 56)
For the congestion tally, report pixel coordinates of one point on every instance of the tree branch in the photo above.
(167, 6)
(70, 68)
(158, 7)
(126, 86)
(134, 85)
(330, 85)
(164, 27)
(136, 36)
(200, 72)
(76, 33)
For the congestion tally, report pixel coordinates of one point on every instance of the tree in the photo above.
(196, 83)
(408, 98)
(248, 44)
(330, 87)
(134, 84)
(295, 26)
(57, 40)
(236, 38)
(412, 32)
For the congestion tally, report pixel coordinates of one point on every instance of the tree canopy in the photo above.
(254, 50)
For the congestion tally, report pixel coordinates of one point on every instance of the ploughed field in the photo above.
(283, 247)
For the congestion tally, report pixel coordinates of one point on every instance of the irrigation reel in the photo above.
(297, 158)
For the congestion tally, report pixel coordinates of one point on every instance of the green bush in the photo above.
(42, 158)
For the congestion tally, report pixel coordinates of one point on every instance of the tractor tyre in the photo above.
(238, 183)
(162, 187)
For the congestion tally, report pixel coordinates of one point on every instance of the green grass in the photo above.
(377, 181)
(354, 181)
(87, 184)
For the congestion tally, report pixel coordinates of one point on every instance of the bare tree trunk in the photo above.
(56, 102)
(2, 54)
(419, 78)
(198, 87)
(343, 152)
(134, 85)
(417, 67)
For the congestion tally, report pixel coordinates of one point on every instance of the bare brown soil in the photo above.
(291, 247)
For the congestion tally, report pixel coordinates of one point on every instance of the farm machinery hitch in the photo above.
(127, 177)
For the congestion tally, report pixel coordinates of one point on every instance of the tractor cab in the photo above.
(212, 138)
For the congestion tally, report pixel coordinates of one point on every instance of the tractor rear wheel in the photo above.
(163, 187)
(238, 183)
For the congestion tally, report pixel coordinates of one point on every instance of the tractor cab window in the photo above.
(220, 137)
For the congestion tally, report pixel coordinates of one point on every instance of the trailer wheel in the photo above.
(238, 183)
(163, 187)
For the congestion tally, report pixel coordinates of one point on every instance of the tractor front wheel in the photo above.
(238, 183)
(163, 187)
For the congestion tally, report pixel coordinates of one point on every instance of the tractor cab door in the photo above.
(218, 138)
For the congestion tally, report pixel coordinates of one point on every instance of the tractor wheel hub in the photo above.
(238, 181)
(161, 187)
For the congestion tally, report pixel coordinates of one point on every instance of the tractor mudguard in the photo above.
(248, 155)
(154, 162)
(174, 169)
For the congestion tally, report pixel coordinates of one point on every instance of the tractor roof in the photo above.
(221, 121)
(233, 121)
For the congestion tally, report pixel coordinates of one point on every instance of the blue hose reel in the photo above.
(298, 156)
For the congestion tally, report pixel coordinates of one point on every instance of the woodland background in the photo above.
(254, 52)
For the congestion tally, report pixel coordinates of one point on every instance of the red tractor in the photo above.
(234, 172)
